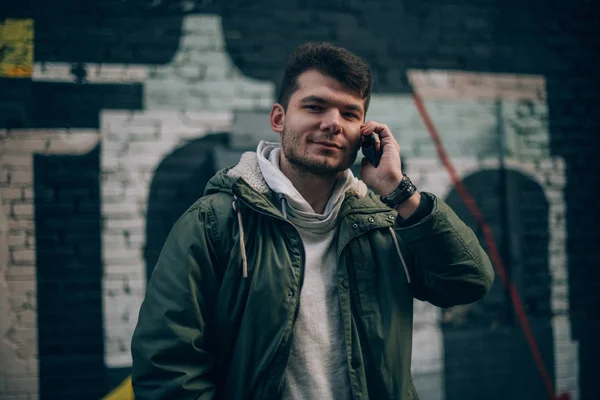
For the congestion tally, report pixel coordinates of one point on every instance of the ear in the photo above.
(277, 118)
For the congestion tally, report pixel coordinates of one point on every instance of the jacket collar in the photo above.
(360, 212)
(249, 171)
(245, 181)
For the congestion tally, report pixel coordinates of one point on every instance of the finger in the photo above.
(377, 142)
(383, 131)
(376, 127)
(367, 128)
(385, 135)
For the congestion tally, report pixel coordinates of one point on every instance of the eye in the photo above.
(350, 115)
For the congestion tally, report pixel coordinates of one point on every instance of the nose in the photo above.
(331, 121)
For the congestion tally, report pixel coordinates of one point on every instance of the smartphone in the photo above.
(368, 145)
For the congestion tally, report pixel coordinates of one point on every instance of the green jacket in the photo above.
(207, 332)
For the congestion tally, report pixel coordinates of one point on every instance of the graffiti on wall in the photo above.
(16, 48)
(89, 189)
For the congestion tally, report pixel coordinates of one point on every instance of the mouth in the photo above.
(328, 144)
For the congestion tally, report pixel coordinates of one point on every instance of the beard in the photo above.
(297, 154)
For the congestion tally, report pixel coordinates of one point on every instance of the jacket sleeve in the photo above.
(171, 359)
(447, 264)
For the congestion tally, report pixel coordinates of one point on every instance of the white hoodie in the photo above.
(317, 367)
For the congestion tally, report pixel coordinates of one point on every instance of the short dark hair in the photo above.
(335, 62)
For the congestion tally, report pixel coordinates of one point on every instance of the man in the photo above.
(290, 278)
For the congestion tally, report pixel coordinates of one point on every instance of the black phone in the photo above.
(368, 145)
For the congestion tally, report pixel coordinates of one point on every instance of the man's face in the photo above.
(321, 130)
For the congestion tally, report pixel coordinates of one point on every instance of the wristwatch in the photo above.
(404, 190)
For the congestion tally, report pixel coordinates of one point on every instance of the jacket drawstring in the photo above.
(236, 208)
(400, 253)
(283, 206)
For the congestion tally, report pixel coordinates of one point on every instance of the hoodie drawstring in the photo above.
(236, 208)
(283, 206)
(400, 253)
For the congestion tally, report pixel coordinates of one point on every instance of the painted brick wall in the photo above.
(113, 115)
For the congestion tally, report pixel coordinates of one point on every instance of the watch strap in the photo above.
(402, 192)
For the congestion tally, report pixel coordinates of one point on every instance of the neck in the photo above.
(316, 189)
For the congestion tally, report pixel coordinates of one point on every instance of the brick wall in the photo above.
(114, 115)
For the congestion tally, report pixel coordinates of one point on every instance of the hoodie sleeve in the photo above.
(448, 265)
(169, 346)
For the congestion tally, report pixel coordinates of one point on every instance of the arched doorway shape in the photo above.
(485, 350)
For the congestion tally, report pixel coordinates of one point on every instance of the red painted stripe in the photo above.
(491, 244)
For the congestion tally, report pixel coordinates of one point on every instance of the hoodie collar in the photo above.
(246, 181)
(293, 205)
(248, 169)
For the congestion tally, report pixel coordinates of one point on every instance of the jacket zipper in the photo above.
(337, 262)
(296, 312)
(301, 283)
